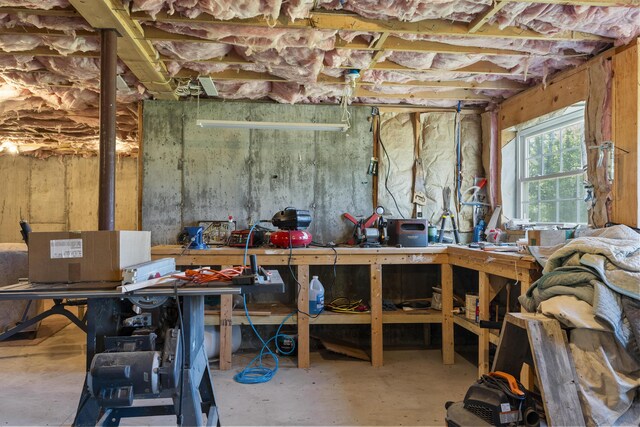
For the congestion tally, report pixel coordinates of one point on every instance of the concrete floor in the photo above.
(40, 385)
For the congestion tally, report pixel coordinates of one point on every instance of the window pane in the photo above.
(572, 136)
(548, 189)
(533, 167)
(572, 160)
(582, 213)
(532, 191)
(535, 145)
(568, 211)
(547, 212)
(551, 163)
(567, 188)
(530, 210)
(551, 142)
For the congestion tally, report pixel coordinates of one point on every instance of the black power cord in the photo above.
(388, 172)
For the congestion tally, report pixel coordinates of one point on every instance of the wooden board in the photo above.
(625, 208)
(303, 319)
(376, 315)
(344, 348)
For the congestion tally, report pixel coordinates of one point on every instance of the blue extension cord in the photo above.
(260, 373)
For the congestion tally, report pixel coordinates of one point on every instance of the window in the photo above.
(551, 175)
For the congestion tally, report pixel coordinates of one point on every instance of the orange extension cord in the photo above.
(206, 275)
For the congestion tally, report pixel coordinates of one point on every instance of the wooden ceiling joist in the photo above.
(352, 22)
(232, 75)
(484, 17)
(456, 94)
(138, 54)
(480, 67)
(45, 51)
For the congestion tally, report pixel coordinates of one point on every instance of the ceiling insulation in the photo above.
(423, 53)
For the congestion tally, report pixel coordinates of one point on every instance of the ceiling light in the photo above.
(208, 86)
(9, 147)
(336, 127)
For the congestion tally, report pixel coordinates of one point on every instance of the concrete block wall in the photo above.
(61, 194)
(192, 173)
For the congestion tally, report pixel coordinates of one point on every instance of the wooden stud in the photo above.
(446, 283)
(483, 336)
(455, 94)
(376, 315)
(226, 331)
(625, 207)
(303, 319)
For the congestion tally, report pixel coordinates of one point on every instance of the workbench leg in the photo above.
(376, 315)
(528, 373)
(226, 331)
(303, 319)
(446, 275)
(483, 337)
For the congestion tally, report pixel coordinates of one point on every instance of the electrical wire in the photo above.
(355, 306)
(256, 372)
(260, 373)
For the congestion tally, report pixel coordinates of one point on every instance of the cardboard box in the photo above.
(548, 237)
(85, 256)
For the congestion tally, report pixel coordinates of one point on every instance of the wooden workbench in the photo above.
(509, 265)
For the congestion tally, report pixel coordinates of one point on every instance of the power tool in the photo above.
(291, 223)
(369, 232)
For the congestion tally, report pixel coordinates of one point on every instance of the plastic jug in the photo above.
(316, 296)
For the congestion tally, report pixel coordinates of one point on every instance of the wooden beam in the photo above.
(597, 3)
(455, 94)
(35, 31)
(46, 51)
(66, 13)
(398, 44)
(481, 67)
(352, 22)
(240, 75)
(138, 54)
(485, 16)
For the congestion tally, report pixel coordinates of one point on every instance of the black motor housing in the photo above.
(292, 219)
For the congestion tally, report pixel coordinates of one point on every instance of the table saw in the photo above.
(143, 346)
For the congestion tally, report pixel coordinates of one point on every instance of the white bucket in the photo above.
(212, 340)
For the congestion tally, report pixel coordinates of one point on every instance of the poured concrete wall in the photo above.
(192, 173)
(61, 193)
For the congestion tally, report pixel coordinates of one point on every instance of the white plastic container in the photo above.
(316, 296)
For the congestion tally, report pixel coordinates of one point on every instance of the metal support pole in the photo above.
(107, 190)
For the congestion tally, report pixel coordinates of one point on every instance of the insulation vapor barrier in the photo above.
(437, 139)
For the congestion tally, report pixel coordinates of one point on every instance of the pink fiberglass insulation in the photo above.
(64, 45)
(538, 47)
(411, 10)
(256, 38)
(227, 9)
(243, 90)
(220, 9)
(35, 4)
(349, 58)
(294, 64)
(620, 23)
(192, 51)
(58, 23)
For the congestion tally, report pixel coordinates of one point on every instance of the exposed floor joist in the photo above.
(352, 22)
(232, 75)
(138, 54)
(484, 17)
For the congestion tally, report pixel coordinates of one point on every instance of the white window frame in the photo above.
(564, 120)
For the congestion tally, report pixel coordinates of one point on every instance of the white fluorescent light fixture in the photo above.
(208, 86)
(335, 127)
